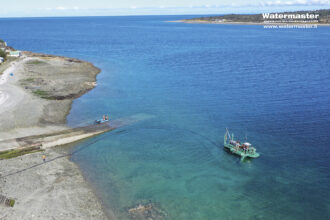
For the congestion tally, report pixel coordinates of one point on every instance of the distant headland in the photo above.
(318, 17)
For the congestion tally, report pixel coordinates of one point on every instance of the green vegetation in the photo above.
(3, 54)
(11, 202)
(35, 62)
(324, 17)
(41, 93)
(28, 80)
(18, 152)
(2, 41)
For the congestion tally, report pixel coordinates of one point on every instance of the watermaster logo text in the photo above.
(305, 16)
(290, 20)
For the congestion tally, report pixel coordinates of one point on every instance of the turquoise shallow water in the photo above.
(271, 86)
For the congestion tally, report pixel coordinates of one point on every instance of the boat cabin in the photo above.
(246, 144)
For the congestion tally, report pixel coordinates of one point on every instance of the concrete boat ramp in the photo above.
(69, 135)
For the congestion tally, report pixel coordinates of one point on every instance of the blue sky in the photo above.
(37, 8)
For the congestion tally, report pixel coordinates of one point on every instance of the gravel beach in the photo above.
(49, 190)
(36, 93)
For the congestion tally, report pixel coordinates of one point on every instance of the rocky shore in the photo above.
(54, 189)
(39, 90)
(36, 93)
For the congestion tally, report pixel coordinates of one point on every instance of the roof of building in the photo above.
(15, 52)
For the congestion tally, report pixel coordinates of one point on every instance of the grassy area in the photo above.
(41, 93)
(18, 152)
(36, 62)
(28, 80)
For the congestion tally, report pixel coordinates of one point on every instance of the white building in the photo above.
(14, 53)
(2, 60)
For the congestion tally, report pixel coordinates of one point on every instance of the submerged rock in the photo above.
(146, 212)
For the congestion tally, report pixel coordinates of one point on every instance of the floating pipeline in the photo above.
(71, 135)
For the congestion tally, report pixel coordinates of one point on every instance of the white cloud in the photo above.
(62, 8)
(297, 3)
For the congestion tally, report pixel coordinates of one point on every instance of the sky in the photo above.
(47, 8)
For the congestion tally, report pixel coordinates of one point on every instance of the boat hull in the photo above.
(100, 121)
(241, 152)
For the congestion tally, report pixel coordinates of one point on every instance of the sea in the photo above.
(188, 83)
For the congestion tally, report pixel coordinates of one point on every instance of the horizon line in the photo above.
(139, 15)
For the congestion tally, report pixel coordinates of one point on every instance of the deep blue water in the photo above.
(271, 86)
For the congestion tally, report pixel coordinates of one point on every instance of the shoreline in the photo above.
(36, 93)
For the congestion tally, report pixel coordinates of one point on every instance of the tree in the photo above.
(3, 54)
